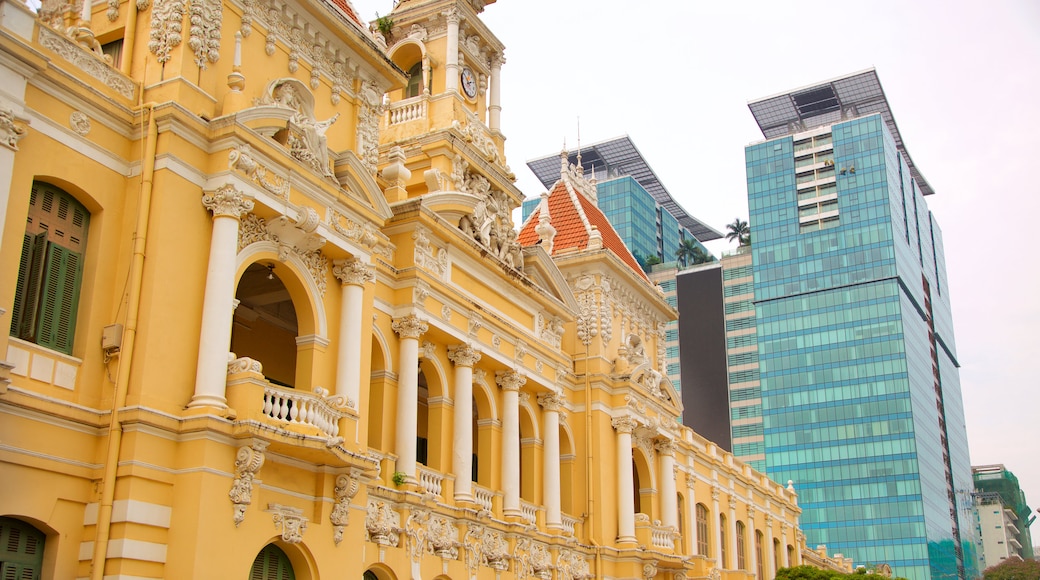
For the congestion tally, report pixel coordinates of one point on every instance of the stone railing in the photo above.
(569, 522)
(430, 481)
(484, 497)
(294, 407)
(530, 512)
(407, 110)
(663, 536)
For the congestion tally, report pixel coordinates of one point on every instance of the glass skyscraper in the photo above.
(860, 396)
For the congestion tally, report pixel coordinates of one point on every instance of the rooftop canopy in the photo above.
(616, 158)
(828, 103)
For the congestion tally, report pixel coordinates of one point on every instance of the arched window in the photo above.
(791, 562)
(741, 547)
(21, 549)
(50, 271)
(702, 530)
(776, 555)
(724, 563)
(272, 564)
(415, 85)
(758, 556)
(369, 575)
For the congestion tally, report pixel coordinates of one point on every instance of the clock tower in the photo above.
(446, 119)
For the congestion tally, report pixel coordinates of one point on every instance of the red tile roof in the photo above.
(346, 8)
(566, 208)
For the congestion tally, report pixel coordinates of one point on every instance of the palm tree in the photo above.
(739, 231)
(690, 253)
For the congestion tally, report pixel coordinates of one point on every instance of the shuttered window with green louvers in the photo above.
(50, 272)
(272, 564)
(21, 550)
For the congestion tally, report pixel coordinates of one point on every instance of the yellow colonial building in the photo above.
(270, 318)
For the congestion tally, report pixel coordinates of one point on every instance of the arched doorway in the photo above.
(265, 325)
(272, 563)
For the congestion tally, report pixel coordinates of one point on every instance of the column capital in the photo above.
(751, 514)
(498, 60)
(410, 326)
(463, 355)
(452, 15)
(624, 424)
(227, 201)
(510, 380)
(353, 272)
(732, 502)
(715, 492)
(691, 482)
(550, 401)
(769, 520)
(666, 447)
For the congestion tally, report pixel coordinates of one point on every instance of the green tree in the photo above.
(739, 231)
(810, 573)
(1013, 568)
(690, 252)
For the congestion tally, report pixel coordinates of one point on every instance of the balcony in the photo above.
(407, 110)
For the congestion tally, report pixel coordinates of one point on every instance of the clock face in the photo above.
(469, 83)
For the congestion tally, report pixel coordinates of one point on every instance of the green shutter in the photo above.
(272, 564)
(59, 299)
(26, 298)
(21, 550)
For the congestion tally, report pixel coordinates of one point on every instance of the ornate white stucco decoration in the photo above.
(473, 131)
(649, 570)
(446, 312)
(431, 534)
(290, 521)
(306, 136)
(427, 256)
(593, 308)
(88, 61)
(346, 488)
(633, 352)
(486, 547)
(80, 123)
(549, 328)
(532, 560)
(294, 236)
(519, 352)
(420, 292)
(204, 32)
(166, 29)
(248, 462)
(714, 574)
(382, 523)
(243, 365)
(571, 565)
(370, 109)
(491, 223)
(496, 342)
(360, 233)
(545, 230)
(427, 350)
(10, 131)
(476, 322)
(241, 158)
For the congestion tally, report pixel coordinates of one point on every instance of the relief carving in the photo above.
(248, 462)
(382, 524)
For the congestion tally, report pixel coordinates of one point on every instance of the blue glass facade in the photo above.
(861, 401)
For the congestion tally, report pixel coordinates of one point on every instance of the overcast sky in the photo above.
(963, 82)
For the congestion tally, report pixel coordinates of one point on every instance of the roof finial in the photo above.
(579, 169)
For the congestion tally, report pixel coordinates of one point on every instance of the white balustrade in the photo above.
(430, 481)
(407, 110)
(568, 523)
(303, 408)
(530, 512)
(483, 497)
(663, 536)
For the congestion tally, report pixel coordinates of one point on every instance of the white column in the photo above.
(626, 503)
(691, 512)
(751, 545)
(769, 566)
(783, 545)
(495, 108)
(551, 402)
(218, 305)
(409, 328)
(731, 523)
(464, 356)
(352, 274)
(451, 64)
(799, 541)
(669, 501)
(717, 527)
(511, 381)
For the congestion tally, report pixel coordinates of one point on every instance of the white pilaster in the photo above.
(691, 513)
(669, 500)
(783, 545)
(626, 504)
(218, 306)
(464, 357)
(409, 328)
(752, 546)
(717, 526)
(511, 381)
(451, 61)
(353, 274)
(769, 566)
(551, 402)
(495, 108)
(731, 524)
